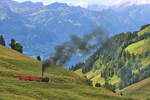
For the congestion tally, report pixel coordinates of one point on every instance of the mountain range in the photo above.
(40, 27)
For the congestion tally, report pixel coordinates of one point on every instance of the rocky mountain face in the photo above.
(40, 28)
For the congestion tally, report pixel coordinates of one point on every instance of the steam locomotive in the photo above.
(29, 78)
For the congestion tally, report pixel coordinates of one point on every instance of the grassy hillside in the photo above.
(140, 89)
(63, 85)
(144, 31)
(139, 48)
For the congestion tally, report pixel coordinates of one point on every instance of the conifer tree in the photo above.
(2, 41)
(39, 58)
(12, 43)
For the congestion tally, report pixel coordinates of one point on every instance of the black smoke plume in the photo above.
(76, 45)
(45, 64)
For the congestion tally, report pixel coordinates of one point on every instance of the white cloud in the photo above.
(115, 2)
(82, 4)
(143, 2)
(120, 2)
(85, 3)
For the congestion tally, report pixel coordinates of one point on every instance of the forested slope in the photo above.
(121, 61)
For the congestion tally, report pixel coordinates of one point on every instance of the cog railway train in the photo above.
(29, 78)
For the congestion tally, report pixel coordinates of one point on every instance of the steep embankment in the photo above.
(63, 85)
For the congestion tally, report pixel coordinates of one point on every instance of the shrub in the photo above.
(97, 85)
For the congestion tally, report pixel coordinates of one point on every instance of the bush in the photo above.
(109, 86)
(97, 85)
(16, 46)
(89, 82)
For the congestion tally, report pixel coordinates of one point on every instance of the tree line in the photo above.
(13, 44)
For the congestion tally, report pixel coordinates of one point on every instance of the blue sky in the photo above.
(85, 3)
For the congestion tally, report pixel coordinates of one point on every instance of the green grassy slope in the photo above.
(140, 89)
(141, 47)
(63, 85)
(145, 30)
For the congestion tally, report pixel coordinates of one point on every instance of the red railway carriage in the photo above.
(33, 79)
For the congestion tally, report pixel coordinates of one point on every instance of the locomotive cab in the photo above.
(46, 79)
